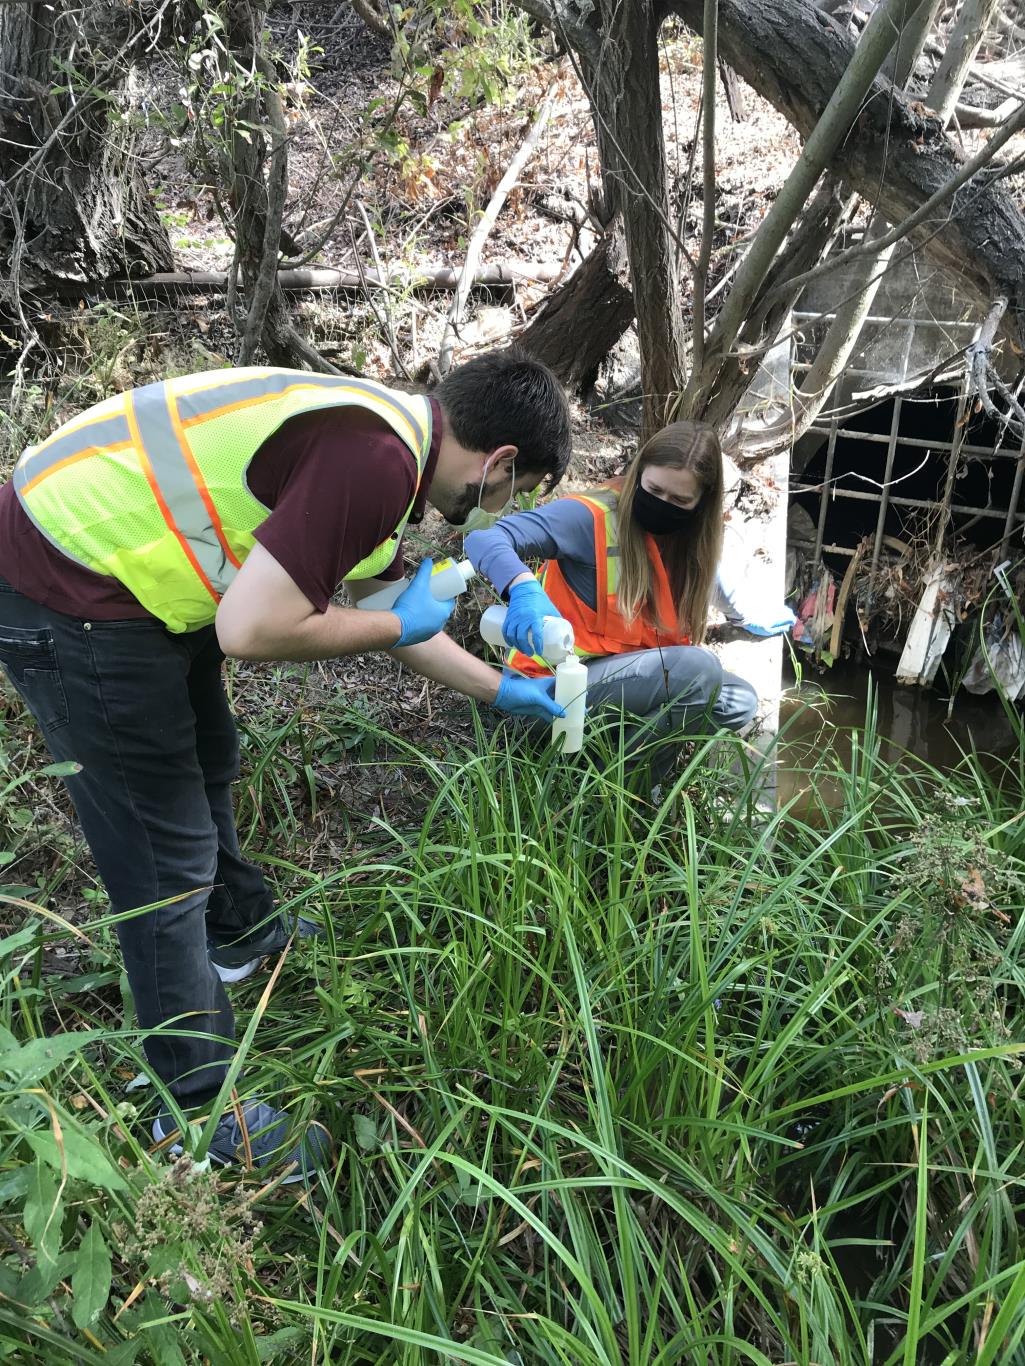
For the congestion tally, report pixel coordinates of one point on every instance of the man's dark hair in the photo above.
(508, 398)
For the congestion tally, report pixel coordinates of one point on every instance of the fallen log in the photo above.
(313, 279)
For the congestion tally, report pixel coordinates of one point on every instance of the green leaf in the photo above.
(66, 768)
(14, 1186)
(37, 1285)
(90, 1281)
(42, 1214)
(124, 1354)
(21, 937)
(85, 1159)
(165, 1259)
(270, 1348)
(161, 1338)
(366, 1132)
(31, 1062)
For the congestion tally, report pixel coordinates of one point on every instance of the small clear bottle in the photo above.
(448, 579)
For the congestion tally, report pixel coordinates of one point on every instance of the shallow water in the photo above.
(819, 714)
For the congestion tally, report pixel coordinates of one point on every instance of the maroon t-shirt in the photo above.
(337, 482)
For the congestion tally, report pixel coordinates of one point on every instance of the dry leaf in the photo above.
(973, 892)
(913, 1018)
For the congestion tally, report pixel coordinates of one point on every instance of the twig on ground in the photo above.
(442, 278)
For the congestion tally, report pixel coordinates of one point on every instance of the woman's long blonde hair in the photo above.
(691, 557)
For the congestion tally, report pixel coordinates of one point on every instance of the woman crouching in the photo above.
(633, 567)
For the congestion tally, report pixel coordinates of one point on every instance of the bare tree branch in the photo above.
(823, 141)
(969, 169)
(981, 374)
(483, 229)
(962, 45)
(560, 21)
(384, 318)
(913, 29)
(980, 243)
(710, 58)
(372, 17)
(970, 116)
(844, 330)
(277, 189)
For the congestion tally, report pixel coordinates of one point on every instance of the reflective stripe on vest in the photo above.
(150, 486)
(603, 630)
(178, 486)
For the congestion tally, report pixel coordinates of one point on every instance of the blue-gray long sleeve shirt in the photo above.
(563, 530)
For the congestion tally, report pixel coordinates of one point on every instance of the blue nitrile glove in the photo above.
(778, 624)
(528, 697)
(419, 611)
(529, 604)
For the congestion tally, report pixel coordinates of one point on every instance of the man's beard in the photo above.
(463, 505)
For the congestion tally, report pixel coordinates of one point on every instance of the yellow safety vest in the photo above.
(149, 486)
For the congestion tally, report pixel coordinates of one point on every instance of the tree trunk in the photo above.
(258, 199)
(76, 206)
(623, 85)
(585, 318)
(843, 332)
(982, 238)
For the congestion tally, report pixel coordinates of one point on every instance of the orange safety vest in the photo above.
(603, 630)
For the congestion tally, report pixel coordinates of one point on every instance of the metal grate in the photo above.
(885, 497)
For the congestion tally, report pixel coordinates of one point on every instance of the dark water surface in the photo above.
(819, 714)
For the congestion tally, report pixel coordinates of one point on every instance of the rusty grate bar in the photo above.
(1012, 510)
(820, 530)
(882, 439)
(931, 504)
(884, 492)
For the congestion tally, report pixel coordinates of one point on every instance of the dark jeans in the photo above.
(144, 713)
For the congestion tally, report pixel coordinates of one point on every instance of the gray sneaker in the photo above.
(236, 961)
(269, 1144)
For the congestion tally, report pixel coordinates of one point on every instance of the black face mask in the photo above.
(658, 517)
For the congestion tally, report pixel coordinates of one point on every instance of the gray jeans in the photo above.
(675, 688)
(685, 682)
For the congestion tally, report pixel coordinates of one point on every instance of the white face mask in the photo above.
(478, 519)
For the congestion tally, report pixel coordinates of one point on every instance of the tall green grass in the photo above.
(611, 1080)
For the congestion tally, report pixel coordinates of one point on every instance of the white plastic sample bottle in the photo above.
(557, 642)
(571, 695)
(448, 579)
(570, 673)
